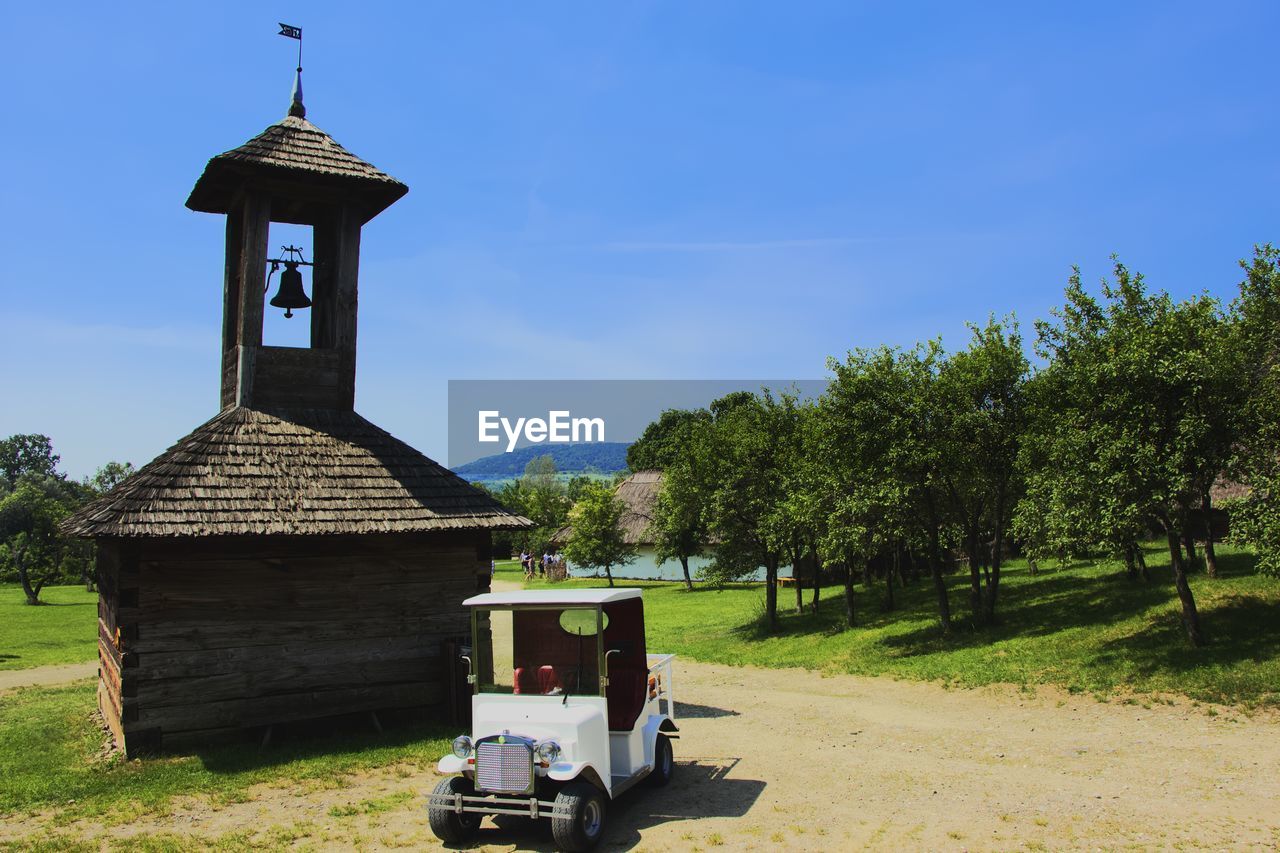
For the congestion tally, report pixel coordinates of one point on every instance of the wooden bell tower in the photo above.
(287, 559)
(294, 173)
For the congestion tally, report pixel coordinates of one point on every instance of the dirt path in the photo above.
(46, 675)
(771, 758)
(786, 757)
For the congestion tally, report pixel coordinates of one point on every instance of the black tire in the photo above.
(664, 763)
(578, 823)
(449, 826)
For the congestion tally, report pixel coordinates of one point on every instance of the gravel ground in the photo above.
(788, 758)
(11, 679)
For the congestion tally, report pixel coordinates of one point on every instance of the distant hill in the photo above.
(603, 457)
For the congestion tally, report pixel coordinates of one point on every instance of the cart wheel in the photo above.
(449, 826)
(578, 822)
(664, 763)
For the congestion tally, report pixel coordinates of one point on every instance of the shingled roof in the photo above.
(292, 148)
(295, 472)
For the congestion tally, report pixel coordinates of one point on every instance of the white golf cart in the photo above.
(568, 712)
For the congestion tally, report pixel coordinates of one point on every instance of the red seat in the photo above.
(549, 680)
(523, 681)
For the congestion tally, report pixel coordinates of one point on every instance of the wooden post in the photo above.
(347, 262)
(324, 274)
(231, 308)
(253, 275)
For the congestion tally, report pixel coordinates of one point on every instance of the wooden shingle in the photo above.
(293, 150)
(294, 472)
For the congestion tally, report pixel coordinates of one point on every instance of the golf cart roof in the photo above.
(588, 597)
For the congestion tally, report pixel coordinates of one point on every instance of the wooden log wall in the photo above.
(110, 656)
(218, 636)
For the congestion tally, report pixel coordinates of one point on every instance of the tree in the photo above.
(983, 408)
(1255, 316)
(542, 497)
(678, 526)
(661, 443)
(793, 522)
(26, 455)
(852, 437)
(746, 518)
(802, 514)
(1141, 416)
(597, 541)
(109, 476)
(29, 535)
(912, 458)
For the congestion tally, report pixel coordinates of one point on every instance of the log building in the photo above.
(288, 559)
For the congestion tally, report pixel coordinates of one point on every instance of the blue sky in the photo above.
(635, 190)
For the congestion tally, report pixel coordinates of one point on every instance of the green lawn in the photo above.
(62, 630)
(1084, 627)
(50, 747)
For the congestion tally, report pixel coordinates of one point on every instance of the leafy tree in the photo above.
(576, 486)
(29, 535)
(865, 498)
(801, 518)
(983, 409)
(916, 454)
(26, 455)
(109, 476)
(1255, 519)
(597, 541)
(746, 519)
(659, 446)
(1141, 416)
(542, 497)
(679, 527)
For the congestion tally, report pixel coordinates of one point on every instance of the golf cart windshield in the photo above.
(544, 650)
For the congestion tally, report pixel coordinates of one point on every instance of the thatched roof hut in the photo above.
(639, 495)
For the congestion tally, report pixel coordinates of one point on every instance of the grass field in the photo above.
(63, 630)
(50, 756)
(1084, 627)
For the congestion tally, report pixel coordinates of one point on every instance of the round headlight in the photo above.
(462, 746)
(548, 751)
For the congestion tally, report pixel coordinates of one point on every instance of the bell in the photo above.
(290, 295)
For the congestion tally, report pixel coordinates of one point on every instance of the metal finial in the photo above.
(296, 107)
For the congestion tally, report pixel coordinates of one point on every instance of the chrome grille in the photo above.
(504, 767)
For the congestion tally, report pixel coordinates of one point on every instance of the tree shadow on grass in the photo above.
(1238, 628)
(1234, 565)
(1049, 603)
(1041, 608)
(1052, 601)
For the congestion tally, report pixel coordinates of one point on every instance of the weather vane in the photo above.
(296, 108)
